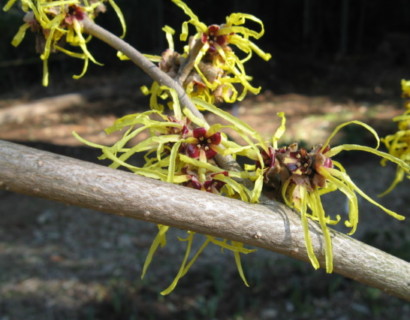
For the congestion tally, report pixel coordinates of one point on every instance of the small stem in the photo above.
(187, 67)
(141, 61)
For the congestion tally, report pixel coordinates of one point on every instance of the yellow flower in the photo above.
(398, 144)
(405, 87)
(217, 66)
(180, 149)
(56, 22)
(305, 176)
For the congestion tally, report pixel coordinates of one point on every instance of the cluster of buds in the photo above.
(297, 165)
(57, 23)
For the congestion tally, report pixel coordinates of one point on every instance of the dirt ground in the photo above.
(63, 262)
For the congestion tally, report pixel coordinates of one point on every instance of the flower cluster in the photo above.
(302, 177)
(209, 68)
(398, 144)
(181, 149)
(57, 23)
(209, 71)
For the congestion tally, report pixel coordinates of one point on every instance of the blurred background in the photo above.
(332, 61)
(312, 41)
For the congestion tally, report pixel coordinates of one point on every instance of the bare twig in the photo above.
(276, 228)
(141, 61)
(189, 64)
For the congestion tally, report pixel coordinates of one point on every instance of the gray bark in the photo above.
(274, 227)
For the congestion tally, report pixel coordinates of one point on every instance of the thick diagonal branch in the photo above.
(276, 228)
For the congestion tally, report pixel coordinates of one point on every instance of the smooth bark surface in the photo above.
(274, 227)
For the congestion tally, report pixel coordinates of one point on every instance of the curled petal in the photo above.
(8, 5)
(169, 32)
(339, 127)
(20, 35)
(194, 20)
(159, 241)
(120, 17)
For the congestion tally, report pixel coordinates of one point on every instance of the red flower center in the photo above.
(212, 38)
(210, 185)
(204, 142)
(74, 12)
